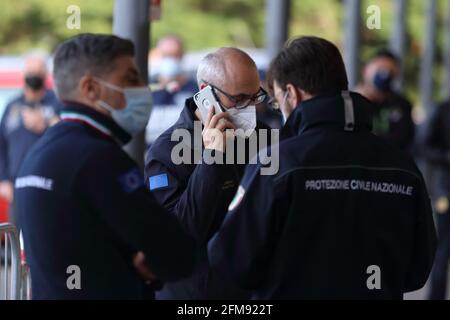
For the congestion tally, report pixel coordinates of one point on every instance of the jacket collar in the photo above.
(187, 116)
(101, 123)
(347, 111)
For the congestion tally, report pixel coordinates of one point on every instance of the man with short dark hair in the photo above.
(346, 216)
(24, 121)
(88, 220)
(392, 112)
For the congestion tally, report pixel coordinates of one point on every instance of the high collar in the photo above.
(101, 123)
(187, 116)
(347, 111)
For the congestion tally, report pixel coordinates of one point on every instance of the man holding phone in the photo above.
(346, 217)
(198, 194)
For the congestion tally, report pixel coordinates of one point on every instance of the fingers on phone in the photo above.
(224, 125)
(210, 116)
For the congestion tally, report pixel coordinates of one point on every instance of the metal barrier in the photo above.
(10, 263)
(25, 290)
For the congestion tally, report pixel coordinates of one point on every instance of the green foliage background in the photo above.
(29, 24)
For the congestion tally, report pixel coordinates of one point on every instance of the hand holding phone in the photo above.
(205, 100)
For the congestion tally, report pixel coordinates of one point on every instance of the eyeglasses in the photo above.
(273, 102)
(241, 101)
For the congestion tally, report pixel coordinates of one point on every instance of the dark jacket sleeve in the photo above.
(242, 248)
(4, 168)
(194, 202)
(433, 148)
(410, 127)
(424, 243)
(113, 186)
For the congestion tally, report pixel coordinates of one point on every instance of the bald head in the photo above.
(35, 65)
(171, 46)
(35, 74)
(231, 69)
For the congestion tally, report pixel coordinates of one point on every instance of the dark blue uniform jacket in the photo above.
(82, 202)
(15, 139)
(198, 195)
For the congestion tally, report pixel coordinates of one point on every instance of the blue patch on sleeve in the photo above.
(131, 181)
(159, 181)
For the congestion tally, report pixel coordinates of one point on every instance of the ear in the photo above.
(294, 96)
(89, 89)
(203, 86)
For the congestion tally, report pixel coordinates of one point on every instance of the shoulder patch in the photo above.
(131, 181)
(158, 181)
(237, 199)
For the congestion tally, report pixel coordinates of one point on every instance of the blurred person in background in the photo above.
(169, 47)
(25, 119)
(392, 118)
(435, 147)
(171, 86)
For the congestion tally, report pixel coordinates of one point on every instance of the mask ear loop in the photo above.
(109, 85)
(218, 100)
(283, 103)
(105, 106)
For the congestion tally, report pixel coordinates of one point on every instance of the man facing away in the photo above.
(347, 216)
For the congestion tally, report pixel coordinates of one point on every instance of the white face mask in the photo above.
(135, 116)
(244, 119)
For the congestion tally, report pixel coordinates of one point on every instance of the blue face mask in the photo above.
(135, 116)
(383, 80)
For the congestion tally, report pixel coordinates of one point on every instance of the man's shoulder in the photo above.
(401, 101)
(164, 144)
(365, 149)
(52, 100)
(69, 139)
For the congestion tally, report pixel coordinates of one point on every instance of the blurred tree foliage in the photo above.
(28, 24)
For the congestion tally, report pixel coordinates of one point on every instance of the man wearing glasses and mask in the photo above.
(199, 194)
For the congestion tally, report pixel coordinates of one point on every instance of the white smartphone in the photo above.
(205, 100)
